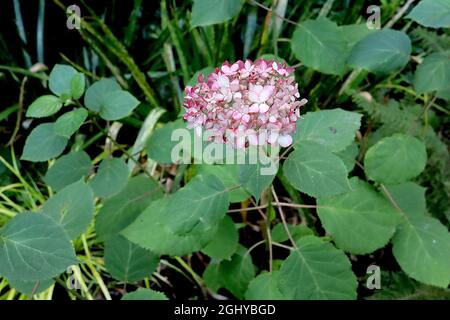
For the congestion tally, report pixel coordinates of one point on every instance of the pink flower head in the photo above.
(258, 99)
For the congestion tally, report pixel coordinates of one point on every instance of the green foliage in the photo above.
(198, 206)
(256, 177)
(264, 287)
(44, 106)
(148, 231)
(43, 143)
(427, 238)
(348, 156)
(106, 98)
(432, 13)
(321, 45)
(28, 287)
(234, 275)
(409, 197)
(398, 286)
(160, 144)
(70, 122)
(77, 85)
(279, 233)
(117, 105)
(229, 175)
(128, 262)
(314, 170)
(395, 159)
(316, 270)
(72, 207)
(433, 74)
(111, 177)
(430, 40)
(34, 247)
(381, 52)
(66, 82)
(334, 129)
(144, 294)
(68, 169)
(207, 12)
(225, 242)
(122, 209)
(96, 94)
(370, 216)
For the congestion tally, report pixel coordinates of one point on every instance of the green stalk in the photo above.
(175, 40)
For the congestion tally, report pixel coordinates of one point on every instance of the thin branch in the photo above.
(269, 238)
(276, 244)
(283, 218)
(273, 12)
(295, 205)
(19, 112)
(391, 200)
(399, 14)
(254, 246)
(277, 204)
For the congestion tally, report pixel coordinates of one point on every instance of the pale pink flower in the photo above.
(246, 103)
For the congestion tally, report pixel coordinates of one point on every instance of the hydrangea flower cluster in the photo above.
(245, 103)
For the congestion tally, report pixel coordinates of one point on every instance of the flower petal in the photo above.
(285, 140)
(263, 107)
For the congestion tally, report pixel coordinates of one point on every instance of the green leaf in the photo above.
(144, 294)
(212, 277)
(264, 287)
(68, 169)
(317, 271)
(431, 13)
(72, 207)
(34, 247)
(207, 12)
(410, 198)
(257, 177)
(395, 159)
(353, 33)
(422, 249)
(149, 232)
(348, 156)
(229, 176)
(198, 206)
(77, 85)
(433, 74)
(70, 122)
(111, 178)
(279, 232)
(44, 106)
(398, 286)
(60, 81)
(225, 242)
(381, 52)
(43, 144)
(320, 44)
(128, 262)
(315, 171)
(160, 144)
(237, 273)
(120, 211)
(97, 93)
(360, 221)
(334, 129)
(29, 287)
(117, 105)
